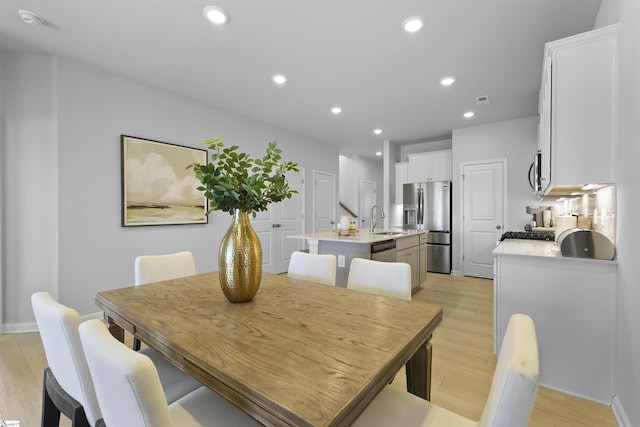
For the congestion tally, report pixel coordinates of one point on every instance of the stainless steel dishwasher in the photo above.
(384, 251)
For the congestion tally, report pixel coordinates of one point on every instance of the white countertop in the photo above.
(536, 248)
(541, 248)
(362, 236)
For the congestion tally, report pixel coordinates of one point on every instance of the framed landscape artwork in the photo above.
(157, 189)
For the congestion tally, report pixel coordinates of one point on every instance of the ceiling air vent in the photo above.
(482, 100)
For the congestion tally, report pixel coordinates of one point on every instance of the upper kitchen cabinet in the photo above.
(577, 128)
(431, 166)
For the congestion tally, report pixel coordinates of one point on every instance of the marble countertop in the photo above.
(362, 236)
(536, 248)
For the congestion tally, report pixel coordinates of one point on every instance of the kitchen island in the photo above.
(572, 303)
(408, 246)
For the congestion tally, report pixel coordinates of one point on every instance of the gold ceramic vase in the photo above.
(240, 260)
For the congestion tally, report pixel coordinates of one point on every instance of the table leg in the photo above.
(115, 329)
(419, 371)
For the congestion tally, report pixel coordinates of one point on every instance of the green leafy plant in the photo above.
(234, 180)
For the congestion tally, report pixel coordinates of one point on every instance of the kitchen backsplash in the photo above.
(600, 206)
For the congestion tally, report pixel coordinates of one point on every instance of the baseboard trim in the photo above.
(19, 328)
(619, 413)
(22, 328)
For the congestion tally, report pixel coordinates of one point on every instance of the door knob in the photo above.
(498, 227)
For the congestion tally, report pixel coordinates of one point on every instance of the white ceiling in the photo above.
(351, 53)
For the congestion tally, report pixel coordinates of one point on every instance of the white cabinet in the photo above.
(401, 179)
(431, 166)
(572, 303)
(408, 250)
(577, 109)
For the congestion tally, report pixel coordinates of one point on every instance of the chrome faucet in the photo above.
(373, 217)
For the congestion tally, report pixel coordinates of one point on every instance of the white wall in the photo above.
(627, 355)
(2, 182)
(63, 189)
(393, 155)
(30, 193)
(348, 185)
(515, 140)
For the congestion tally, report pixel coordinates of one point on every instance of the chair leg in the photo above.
(50, 412)
(56, 401)
(136, 344)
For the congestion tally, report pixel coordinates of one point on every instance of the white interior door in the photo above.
(367, 198)
(263, 224)
(483, 215)
(324, 201)
(279, 221)
(290, 222)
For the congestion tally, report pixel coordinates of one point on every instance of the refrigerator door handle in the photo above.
(420, 206)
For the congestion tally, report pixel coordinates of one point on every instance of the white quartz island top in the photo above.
(536, 248)
(364, 236)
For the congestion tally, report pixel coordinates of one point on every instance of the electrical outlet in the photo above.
(340, 260)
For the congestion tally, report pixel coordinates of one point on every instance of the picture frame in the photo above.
(157, 187)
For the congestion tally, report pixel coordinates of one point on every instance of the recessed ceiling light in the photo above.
(413, 24)
(336, 110)
(378, 153)
(215, 14)
(30, 17)
(377, 131)
(447, 81)
(469, 114)
(279, 79)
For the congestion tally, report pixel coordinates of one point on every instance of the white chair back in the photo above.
(317, 268)
(515, 380)
(391, 279)
(126, 382)
(155, 268)
(58, 326)
(511, 397)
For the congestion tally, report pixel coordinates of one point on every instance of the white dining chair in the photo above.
(511, 397)
(156, 268)
(130, 393)
(317, 268)
(391, 279)
(68, 387)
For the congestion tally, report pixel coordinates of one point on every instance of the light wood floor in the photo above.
(463, 363)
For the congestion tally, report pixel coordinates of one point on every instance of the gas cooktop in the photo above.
(529, 235)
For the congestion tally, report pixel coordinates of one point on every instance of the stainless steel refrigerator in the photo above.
(427, 206)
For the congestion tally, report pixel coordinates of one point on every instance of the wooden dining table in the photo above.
(298, 354)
